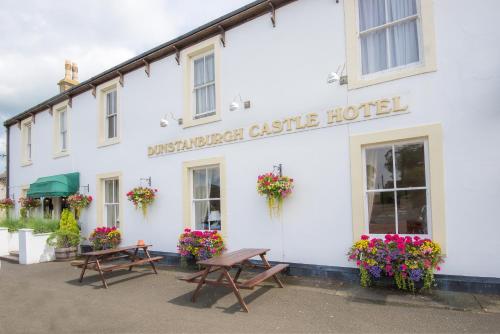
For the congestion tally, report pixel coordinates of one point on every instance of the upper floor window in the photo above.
(397, 188)
(111, 115)
(26, 141)
(204, 85)
(388, 33)
(388, 40)
(201, 83)
(63, 129)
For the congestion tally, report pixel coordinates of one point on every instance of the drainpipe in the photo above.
(7, 160)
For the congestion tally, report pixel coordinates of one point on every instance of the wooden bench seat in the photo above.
(198, 274)
(80, 263)
(251, 283)
(130, 264)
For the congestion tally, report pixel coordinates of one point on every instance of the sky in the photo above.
(37, 36)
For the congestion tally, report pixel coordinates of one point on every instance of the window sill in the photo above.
(357, 82)
(60, 155)
(187, 123)
(109, 142)
(26, 163)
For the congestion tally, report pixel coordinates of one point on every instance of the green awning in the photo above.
(56, 185)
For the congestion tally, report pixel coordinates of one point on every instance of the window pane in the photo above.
(404, 43)
(111, 126)
(379, 168)
(209, 68)
(199, 70)
(116, 192)
(201, 215)
(214, 216)
(371, 13)
(412, 212)
(201, 100)
(111, 103)
(199, 183)
(374, 51)
(399, 9)
(63, 141)
(110, 215)
(211, 97)
(108, 191)
(214, 182)
(381, 212)
(410, 165)
(62, 121)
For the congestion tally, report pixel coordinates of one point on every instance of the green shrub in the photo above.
(68, 234)
(39, 225)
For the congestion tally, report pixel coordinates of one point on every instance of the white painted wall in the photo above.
(13, 241)
(33, 248)
(283, 72)
(4, 241)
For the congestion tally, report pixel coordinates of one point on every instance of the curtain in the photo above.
(373, 45)
(404, 36)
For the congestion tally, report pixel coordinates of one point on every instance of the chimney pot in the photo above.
(74, 68)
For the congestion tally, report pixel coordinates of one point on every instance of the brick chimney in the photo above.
(70, 76)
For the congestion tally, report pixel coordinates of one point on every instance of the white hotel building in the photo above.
(385, 113)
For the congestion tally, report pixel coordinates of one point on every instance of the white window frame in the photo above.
(115, 205)
(103, 135)
(395, 189)
(27, 142)
(58, 110)
(426, 38)
(113, 116)
(188, 55)
(101, 197)
(207, 199)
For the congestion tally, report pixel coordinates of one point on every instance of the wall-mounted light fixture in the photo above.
(238, 104)
(164, 122)
(337, 76)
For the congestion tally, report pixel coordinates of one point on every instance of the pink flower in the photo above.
(365, 237)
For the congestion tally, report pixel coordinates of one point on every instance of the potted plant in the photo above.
(408, 261)
(6, 205)
(66, 238)
(105, 238)
(200, 245)
(78, 202)
(142, 197)
(28, 204)
(275, 188)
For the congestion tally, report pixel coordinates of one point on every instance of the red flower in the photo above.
(365, 237)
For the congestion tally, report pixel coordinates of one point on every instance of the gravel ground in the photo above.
(47, 298)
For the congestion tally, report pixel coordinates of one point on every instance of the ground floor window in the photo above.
(206, 199)
(397, 188)
(112, 202)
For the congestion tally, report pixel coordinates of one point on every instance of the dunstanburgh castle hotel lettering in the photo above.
(336, 116)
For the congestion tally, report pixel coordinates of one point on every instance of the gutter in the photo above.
(7, 161)
(213, 28)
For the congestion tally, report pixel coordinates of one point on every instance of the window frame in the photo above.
(207, 199)
(426, 38)
(101, 197)
(188, 206)
(58, 109)
(188, 56)
(102, 133)
(202, 86)
(27, 141)
(395, 188)
(432, 133)
(115, 204)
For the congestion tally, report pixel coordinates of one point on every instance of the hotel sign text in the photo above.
(337, 116)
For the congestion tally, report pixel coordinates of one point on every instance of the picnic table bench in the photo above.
(101, 261)
(239, 259)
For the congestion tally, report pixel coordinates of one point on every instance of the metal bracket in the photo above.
(32, 118)
(177, 55)
(343, 80)
(19, 124)
(278, 169)
(121, 80)
(51, 110)
(94, 90)
(148, 180)
(70, 101)
(147, 69)
(87, 186)
(273, 14)
(222, 36)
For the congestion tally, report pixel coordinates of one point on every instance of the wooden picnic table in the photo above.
(98, 260)
(239, 259)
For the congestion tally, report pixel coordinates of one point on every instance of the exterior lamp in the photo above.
(164, 122)
(332, 77)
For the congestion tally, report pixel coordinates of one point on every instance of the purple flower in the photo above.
(415, 275)
(375, 271)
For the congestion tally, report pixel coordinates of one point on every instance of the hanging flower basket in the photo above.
(275, 188)
(29, 203)
(407, 260)
(6, 204)
(78, 202)
(142, 197)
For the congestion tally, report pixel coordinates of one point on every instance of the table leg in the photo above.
(132, 259)
(200, 284)
(235, 289)
(266, 263)
(98, 265)
(84, 268)
(238, 274)
(150, 262)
